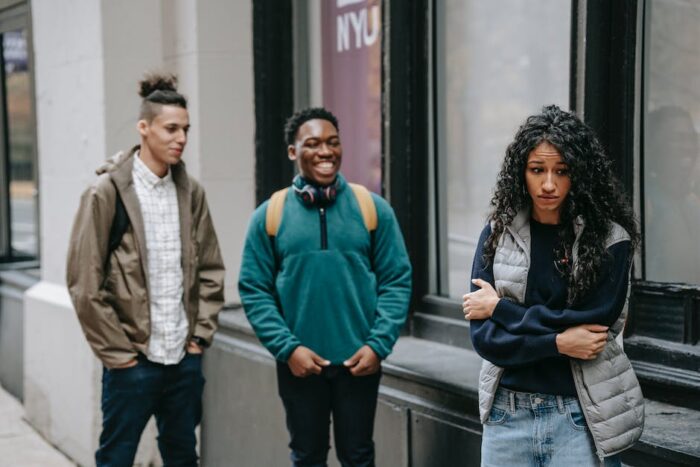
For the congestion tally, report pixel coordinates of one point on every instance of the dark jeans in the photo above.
(173, 393)
(309, 403)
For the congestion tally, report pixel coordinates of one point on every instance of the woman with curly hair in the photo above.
(549, 291)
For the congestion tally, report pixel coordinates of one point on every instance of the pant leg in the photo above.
(128, 400)
(307, 405)
(354, 406)
(508, 435)
(179, 411)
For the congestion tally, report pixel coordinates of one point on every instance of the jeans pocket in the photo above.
(124, 379)
(496, 416)
(576, 418)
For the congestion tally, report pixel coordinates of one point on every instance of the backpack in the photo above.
(273, 216)
(120, 224)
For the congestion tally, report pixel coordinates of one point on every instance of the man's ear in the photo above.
(142, 126)
(292, 152)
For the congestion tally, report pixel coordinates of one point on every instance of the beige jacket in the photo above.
(110, 295)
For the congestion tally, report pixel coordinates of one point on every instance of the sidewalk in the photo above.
(20, 445)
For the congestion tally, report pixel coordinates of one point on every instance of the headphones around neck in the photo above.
(312, 195)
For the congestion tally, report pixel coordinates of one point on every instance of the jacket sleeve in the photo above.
(87, 255)
(256, 286)
(392, 269)
(210, 268)
(602, 305)
(495, 343)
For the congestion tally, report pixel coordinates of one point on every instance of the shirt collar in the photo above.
(145, 174)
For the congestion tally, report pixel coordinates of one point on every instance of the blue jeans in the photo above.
(130, 396)
(525, 429)
(309, 403)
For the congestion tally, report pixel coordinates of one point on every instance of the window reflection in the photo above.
(671, 149)
(22, 183)
(498, 62)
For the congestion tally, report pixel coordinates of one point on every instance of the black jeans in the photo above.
(309, 403)
(173, 393)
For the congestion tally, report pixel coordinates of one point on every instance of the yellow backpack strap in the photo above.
(273, 215)
(367, 207)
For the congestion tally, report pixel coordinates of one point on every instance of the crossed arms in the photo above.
(510, 334)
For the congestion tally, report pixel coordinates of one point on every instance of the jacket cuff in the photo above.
(378, 349)
(286, 352)
(112, 361)
(204, 332)
(551, 345)
(507, 312)
(200, 341)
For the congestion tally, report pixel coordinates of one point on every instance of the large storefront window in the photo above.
(497, 62)
(670, 146)
(19, 189)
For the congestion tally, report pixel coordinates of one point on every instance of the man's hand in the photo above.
(584, 341)
(364, 362)
(304, 362)
(194, 348)
(481, 303)
(129, 364)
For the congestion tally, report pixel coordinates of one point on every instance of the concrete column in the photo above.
(209, 44)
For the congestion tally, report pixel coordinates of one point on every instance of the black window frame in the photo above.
(15, 15)
(273, 70)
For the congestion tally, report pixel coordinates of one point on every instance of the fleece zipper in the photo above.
(324, 230)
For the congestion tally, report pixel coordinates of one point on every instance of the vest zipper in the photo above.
(324, 233)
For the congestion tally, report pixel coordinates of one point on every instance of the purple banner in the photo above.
(351, 57)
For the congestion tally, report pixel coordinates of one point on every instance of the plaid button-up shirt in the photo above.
(158, 199)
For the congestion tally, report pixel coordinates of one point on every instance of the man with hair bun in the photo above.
(145, 275)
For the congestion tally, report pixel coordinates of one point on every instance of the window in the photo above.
(18, 181)
(671, 149)
(497, 62)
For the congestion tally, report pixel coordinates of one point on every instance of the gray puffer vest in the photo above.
(607, 387)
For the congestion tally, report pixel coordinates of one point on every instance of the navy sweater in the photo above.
(522, 337)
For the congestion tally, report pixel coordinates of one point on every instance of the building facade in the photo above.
(428, 94)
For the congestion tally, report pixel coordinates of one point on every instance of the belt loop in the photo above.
(560, 404)
(511, 395)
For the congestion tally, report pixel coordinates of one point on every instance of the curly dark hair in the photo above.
(595, 193)
(158, 89)
(302, 116)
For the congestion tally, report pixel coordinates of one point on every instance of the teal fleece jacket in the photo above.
(333, 300)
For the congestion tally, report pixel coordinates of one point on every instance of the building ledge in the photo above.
(427, 367)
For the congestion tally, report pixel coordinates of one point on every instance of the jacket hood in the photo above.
(114, 162)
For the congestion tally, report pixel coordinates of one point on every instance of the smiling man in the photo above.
(146, 278)
(325, 282)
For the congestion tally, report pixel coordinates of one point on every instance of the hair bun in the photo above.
(157, 82)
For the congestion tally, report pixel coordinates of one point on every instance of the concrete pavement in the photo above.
(20, 445)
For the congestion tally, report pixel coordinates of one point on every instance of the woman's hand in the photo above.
(481, 303)
(584, 341)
